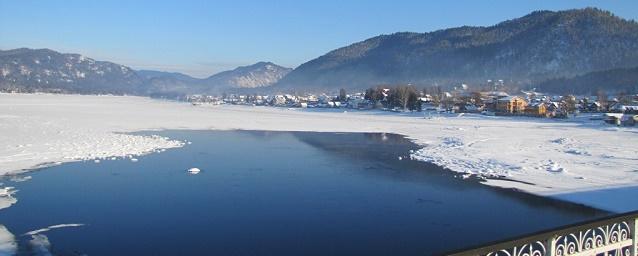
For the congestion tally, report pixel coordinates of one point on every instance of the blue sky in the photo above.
(204, 37)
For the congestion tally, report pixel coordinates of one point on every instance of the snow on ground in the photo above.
(540, 156)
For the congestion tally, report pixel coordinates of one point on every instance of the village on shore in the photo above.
(620, 109)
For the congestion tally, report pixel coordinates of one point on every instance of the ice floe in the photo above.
(194, 170)
(6, 197)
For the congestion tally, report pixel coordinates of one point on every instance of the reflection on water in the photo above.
(393, 150)
(265, 193)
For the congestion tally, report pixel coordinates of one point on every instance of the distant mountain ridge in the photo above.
(524, 52)
(45, 70)
(50, 71)
(536, 47)
(153, 74)
(260, 74)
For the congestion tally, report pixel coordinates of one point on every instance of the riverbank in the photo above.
(542, 157)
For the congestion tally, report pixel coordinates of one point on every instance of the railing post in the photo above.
(551, 245)
(634, 237)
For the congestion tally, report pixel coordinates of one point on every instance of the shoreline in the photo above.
(62, 128)
(416, 175)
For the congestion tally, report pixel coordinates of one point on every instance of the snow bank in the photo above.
(35, 136)
(40, 130)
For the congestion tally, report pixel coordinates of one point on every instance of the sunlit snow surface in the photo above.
(540, 156)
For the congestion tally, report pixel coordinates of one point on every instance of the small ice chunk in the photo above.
(576, 152)
(97, 161)
(194, 170)
(134, 160)
(555, 168)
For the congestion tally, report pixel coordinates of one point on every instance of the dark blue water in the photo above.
(273, 193)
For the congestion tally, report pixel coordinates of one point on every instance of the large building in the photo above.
(511, 104)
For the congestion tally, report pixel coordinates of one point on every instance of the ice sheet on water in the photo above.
(8, 245)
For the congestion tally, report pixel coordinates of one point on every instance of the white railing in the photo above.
(615, 235)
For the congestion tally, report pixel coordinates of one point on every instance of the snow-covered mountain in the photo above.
(50, 71)
(260, 74)
(541, 45)
(525, 51)
(44, 70)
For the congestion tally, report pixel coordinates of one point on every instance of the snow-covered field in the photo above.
(540, 156)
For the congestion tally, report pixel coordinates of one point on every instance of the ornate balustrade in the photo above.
(614, 235)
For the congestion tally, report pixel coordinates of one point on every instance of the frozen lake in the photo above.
(271, 193)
